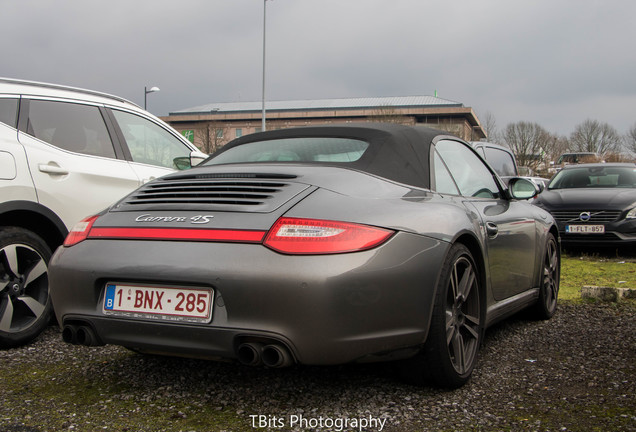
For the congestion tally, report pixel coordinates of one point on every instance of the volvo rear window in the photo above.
(312, 149)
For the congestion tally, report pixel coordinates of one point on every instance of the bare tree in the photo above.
(555, 147)
(596, 137)
(617, 157)
(630, 139)
(527, 141)
(490, 127)
(211, 137)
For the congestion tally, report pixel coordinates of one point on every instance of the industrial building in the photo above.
(213, 125)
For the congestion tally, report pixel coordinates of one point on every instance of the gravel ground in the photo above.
(573, 373)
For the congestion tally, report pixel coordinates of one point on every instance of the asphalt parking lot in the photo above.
(572, 373)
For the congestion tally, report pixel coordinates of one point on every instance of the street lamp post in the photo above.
(146, 91)
(264, 22)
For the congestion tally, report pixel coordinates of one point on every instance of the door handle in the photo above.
(52, 168)
(492, 229)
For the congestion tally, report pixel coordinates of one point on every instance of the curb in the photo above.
(609, 294)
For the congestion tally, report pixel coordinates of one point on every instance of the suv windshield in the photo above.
(315, 150)
(594, 177)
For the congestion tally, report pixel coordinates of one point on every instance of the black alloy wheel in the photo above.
(25, 305)
(463, 315)
(550, 279)
(457, 325)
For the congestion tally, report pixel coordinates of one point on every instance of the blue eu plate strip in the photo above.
(109, 301)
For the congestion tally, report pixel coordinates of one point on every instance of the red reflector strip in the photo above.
(219, 235)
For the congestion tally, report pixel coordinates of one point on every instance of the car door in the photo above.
(152, 149)
(76, 168)
(15, 181)
(507, 227)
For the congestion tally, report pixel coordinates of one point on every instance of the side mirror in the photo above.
(523, 189)
(186, 162)
(181, 163)
(197, 157)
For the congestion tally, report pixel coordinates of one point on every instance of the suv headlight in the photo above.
(631, 214)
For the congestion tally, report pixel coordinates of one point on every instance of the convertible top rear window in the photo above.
(311, 149)
(391, 151)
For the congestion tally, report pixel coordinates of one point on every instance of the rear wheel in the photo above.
(549, 291)
(25, 305)
(457, 325)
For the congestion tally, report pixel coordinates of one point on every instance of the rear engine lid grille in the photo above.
(595, 216)
(209, 193)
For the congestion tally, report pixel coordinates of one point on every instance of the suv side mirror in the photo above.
(197, 157)
(186, 162)
(523, 189)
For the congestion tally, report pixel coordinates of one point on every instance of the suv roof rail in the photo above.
(63, 87)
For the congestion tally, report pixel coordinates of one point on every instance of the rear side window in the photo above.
(443, 180)
(8, 111)
(501, 161)
(469, 173)
(311, 149)
(74, 127)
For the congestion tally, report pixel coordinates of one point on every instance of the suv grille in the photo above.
(231, 194)
(596, 216)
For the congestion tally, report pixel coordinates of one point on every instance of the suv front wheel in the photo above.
(25, 305)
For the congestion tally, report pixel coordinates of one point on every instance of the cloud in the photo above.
(557, 63)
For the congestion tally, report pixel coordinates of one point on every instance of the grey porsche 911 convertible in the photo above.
(319, 245)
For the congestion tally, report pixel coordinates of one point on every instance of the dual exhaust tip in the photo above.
(272, 355)
(78, 334)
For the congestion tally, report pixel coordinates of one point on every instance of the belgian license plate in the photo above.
(159, 302)
(585, 229)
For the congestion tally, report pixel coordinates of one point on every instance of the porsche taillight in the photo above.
(293, 236)
(80, 231)
(296, 236)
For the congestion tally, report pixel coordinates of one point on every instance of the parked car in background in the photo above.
(542, 182)
(65, 153)
(577, 158)
(593, 204)
(503, 161)
(317, 245)
(573, 158)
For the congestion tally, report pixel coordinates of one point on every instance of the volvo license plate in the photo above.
(585, 229)
(158, 302)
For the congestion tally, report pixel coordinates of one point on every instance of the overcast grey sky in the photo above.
(554, 62)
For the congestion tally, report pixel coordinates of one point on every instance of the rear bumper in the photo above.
(325, 309)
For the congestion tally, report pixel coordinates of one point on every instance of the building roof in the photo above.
(323, 104)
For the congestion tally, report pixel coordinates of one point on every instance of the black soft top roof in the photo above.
(396, 152)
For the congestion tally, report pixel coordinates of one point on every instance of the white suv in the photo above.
(65, 153)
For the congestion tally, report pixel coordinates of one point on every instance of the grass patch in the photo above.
(51, 397)
(577, 271)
